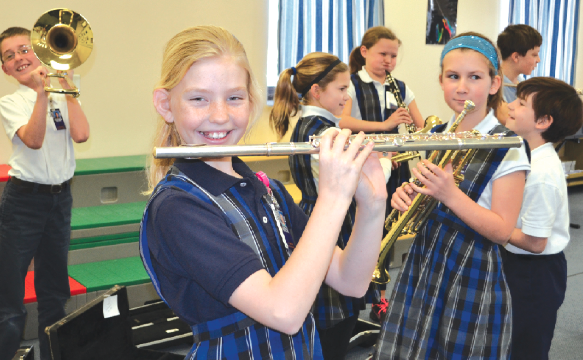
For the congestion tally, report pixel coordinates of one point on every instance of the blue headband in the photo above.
(477, 43)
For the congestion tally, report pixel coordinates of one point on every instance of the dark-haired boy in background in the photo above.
(519, 47)
(546, 111)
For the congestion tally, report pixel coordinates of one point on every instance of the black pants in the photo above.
(537, 284)
(335, 339)
(35, 225)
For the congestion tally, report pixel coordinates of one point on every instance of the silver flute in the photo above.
(382, 143)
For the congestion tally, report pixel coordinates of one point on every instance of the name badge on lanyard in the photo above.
(58, 119)
(57, 116)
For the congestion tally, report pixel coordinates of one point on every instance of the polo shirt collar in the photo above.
(308, 110)
(213, 180)
(365, 77)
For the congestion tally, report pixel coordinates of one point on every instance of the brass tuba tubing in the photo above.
(445, 141)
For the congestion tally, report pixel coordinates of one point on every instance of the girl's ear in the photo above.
(363, 51)
(315, 91)
(543, 123)
(162, 104)
(496, 83)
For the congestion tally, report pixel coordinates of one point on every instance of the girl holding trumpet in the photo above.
(451, 300)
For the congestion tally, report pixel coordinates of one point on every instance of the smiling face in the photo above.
(211, 103)
(521, 117)
(22, 64)
(528, 62)
(335, 95)
(381, 57)
(466, 76)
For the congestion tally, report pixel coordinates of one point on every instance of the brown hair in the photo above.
(182, 51)
(518, 38)
(555, 98)
(369, 39)
(494, 101)
(11, 32)
(286, 102)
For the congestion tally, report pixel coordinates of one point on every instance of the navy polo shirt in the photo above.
(197, 257)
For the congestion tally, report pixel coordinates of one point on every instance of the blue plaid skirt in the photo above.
(237, 336)
(451, 300)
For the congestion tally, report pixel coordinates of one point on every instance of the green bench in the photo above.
(107, 215)
(107, 165)
(109, 180)
(102, 275)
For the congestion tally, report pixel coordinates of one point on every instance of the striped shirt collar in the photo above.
(213, 180)
(309, 110)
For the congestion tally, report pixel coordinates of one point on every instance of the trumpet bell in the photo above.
(62, 39)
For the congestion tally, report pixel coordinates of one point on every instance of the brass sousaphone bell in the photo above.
(62, 39)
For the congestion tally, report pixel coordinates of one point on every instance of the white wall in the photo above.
(118, 77)
(418, 63)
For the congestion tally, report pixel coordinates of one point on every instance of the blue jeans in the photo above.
(38, 225)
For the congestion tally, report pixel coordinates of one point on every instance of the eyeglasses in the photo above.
(9, 55)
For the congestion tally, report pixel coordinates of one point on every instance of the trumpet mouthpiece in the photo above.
(469, 105)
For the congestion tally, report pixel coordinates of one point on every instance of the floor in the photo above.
(568, 339)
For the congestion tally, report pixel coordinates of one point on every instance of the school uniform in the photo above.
(204, 233)
(335, 314)
(538, 282)
(451, 300)
(373, 101)
(35, 219)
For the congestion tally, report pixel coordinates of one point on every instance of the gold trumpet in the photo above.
(410, 221)
(430, 122)
(62, 39)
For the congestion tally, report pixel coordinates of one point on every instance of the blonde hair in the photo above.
(369, 39)
(285, 101)
(182, 51)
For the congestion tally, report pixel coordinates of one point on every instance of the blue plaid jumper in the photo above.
(330, 307)
(370, 110)
(368, 100)
(237, 336)
(451, 300)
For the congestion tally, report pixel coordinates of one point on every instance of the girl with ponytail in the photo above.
(322, 81)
